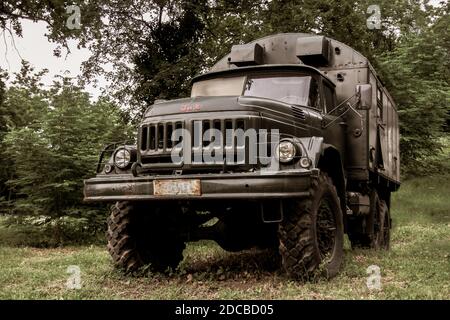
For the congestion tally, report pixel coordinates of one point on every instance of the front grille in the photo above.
(157, 136)
(155, 144)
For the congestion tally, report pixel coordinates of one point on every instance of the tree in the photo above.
(416, 73)
(155, 47)
(168, 60)
(3, 130)
(21, 105)
(441, 28)
(49, 157)
(55, 14)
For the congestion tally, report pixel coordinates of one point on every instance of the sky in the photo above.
(36, 49)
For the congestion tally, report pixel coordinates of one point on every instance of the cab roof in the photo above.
(258, 68)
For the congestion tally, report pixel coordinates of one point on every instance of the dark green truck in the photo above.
(288, 143)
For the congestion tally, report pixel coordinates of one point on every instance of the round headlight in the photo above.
(122, 158)
(285, 151)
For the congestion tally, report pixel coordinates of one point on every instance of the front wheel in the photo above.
(139, 236)
(311, 234)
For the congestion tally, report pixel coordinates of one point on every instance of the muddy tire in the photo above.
(311, 234)
(139, 236)
(378, 227)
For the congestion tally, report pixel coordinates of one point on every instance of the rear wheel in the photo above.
(383, 236)
(139, 236)
(373, 231)
(311, 234)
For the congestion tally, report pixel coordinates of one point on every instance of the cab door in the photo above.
(333, 125)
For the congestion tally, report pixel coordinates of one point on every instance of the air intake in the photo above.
(299, 113)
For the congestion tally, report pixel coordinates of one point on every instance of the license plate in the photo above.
(176, 187)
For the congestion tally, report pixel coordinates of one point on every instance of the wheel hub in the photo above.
(325, 228)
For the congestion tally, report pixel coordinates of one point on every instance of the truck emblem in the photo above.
(190, 107)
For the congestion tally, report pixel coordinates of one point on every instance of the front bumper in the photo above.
(258, 185)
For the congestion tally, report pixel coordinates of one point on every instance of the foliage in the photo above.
(54, 13)
(417, 75)
(154, 47)
(3, 130)
(52, 144)
(166, 61)
(45, 232)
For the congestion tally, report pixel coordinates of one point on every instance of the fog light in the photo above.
(305, 162)
(108, 168)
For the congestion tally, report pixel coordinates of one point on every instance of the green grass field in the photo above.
(417, 267)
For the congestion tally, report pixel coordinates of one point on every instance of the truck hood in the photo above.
(229, 104)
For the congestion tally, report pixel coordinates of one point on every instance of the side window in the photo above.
(314, 101)
(329, 98)
(379, 102)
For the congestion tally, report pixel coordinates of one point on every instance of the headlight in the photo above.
(122, 158)
(285, 151)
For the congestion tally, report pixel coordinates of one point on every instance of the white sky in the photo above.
(36, 49)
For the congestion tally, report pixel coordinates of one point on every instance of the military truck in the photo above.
(322, 117)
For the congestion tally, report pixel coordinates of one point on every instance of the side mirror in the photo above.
(364, 92)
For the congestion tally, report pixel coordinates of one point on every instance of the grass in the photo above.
(416, 267)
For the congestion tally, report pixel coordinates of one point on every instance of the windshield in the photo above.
(298, 89)
(292, 90)
(231, 86)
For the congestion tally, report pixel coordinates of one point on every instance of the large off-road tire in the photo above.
(377, 231)
(139, 236)
(311, 234)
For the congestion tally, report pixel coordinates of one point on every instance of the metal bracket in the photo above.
(134, 169)
(277, 211)
(349, 107)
